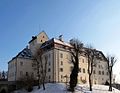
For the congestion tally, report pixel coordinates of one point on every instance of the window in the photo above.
(83, 60)
(107, 73)
(94, 72)
(99, 72)
(61, 76)
(61, 69)
(41, 40)
(102, 72)
(95, 65)
(48, 69)
(94, 82)
(61, 55)
(61, 62)
(26, 73)
(43, 36)
(83, 70)
(21, 63)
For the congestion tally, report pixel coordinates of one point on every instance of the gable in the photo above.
(101, 56)
(42, 37)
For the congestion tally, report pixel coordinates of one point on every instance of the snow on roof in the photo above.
(62, 42)
(25, 53)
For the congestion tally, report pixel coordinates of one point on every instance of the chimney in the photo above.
(61, 38)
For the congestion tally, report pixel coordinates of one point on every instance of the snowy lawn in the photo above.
(61, 88)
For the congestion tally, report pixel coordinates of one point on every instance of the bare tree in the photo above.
(40, 66)
(26, 82)
(37, 65)
(111, 60)
(75, 52)
(91, 57)
(43, 70)
(3, 74)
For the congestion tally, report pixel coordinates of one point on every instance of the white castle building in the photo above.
(58, 63)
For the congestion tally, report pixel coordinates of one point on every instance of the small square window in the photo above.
(61, 69)
(21, 63)
(94, 72)
(61, 62)
(48, 69)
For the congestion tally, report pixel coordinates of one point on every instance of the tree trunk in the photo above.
(110, 86)
(43, 83)
(43, 86)
(39, 82)
(90, 83)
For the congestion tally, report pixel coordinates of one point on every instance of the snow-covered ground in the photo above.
(61, 88)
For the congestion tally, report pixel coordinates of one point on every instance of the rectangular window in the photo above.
(48, 69)
(26, 73)
(99, 72)
(83, 70)
(107, 73)
(94, 72)
(21, 63)
(61, 76)
(61, 62)
(102, 72)
(61, 69)
(83, 60)
(61, 55)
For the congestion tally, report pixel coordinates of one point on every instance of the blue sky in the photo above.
(95, 22)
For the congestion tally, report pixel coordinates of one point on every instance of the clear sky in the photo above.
(95, 22)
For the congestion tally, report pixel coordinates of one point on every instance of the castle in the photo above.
(58, 63)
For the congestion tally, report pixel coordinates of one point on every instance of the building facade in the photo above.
(59, 64)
